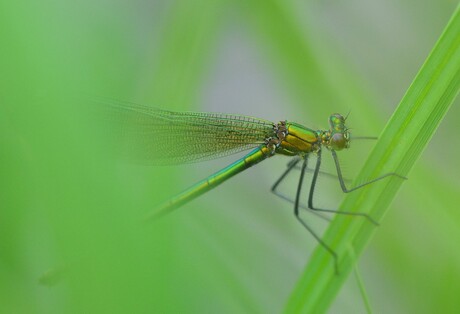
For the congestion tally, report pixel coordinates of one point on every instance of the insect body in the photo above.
(168, 137)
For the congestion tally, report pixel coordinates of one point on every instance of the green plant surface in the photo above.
(399, 147)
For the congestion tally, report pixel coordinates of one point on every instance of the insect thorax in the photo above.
(293, 139)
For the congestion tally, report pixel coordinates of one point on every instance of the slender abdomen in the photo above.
(212, 181)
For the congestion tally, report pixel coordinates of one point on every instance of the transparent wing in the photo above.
(149, 135)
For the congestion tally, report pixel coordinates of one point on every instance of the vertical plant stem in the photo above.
(400, 145)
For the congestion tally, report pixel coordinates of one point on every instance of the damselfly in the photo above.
(168, 137)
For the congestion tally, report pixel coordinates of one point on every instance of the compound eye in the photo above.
(336, 119)
(338, 141)
(339, 117)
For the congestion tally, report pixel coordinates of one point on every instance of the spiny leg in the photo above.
(291, 165)
(323, 173)
(312, 192)
(342, 183)
(296, 213)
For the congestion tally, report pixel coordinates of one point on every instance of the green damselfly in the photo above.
(167, 137)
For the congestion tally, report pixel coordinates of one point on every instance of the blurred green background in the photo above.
(67, 208)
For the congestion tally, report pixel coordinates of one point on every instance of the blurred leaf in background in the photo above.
(237, 249)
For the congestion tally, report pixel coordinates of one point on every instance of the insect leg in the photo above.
(290, 166)
(342, 183)
(274, 189)
(312, 192)
(296, 213)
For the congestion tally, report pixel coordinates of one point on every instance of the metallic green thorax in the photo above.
(286, 138)
(295, 139)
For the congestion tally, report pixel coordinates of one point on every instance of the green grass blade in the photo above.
(362, 290)
(400, 145)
